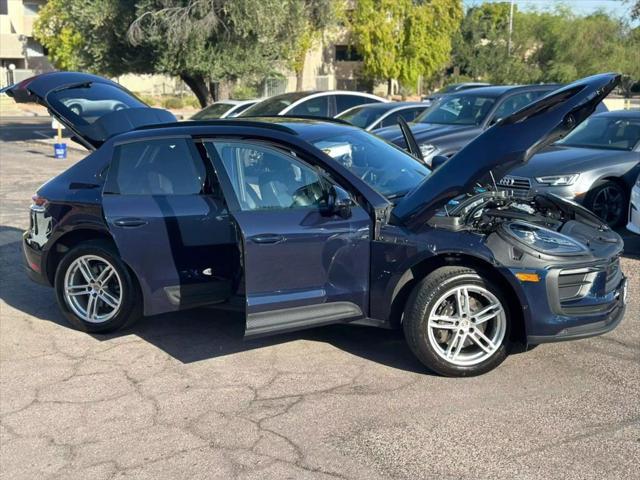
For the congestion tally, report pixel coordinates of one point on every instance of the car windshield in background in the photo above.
(458, 110)
(212, 112)
(273, 105)
(605, 132)
(90, 102)
(386, 168)
(363, 116)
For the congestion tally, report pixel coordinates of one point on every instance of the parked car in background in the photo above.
(634, 208)
(453, 88)
(378, 115)
(454, 120)
(298, 223)
(223, 109)
(595, 165)
(325, 104)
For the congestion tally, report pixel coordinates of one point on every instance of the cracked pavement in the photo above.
(182, 396)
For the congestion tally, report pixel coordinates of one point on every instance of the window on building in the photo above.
(347, 53)
(31, 8)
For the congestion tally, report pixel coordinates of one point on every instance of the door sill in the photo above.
(298, 318)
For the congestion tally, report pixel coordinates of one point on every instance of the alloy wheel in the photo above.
(93, 289)
(608, 204)
(467, 325)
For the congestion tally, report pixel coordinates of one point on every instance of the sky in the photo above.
(581, 7)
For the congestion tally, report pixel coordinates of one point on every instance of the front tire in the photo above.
(609, 201)
(95, 289)
(456, 322)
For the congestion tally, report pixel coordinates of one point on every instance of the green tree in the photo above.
(92, 36)
(404, 39)
(313, 18)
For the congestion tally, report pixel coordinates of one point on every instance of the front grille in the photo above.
(518, 186)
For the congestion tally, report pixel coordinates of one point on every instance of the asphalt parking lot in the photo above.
(182, 396)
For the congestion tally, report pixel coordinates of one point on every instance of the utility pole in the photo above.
(510, 28)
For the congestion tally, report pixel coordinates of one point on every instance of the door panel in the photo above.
(295, 258)
(177, 238)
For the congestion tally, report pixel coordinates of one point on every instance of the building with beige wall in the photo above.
(18, 48)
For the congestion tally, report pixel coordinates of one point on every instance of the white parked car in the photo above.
(325, 104)
(634, 208)
(224, 109)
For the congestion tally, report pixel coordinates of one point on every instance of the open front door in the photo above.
(302, 267)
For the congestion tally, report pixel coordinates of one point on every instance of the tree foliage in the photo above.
(556, 46)
(404, 39)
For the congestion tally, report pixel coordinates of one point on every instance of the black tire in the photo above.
(598, 200)
(425, 297)
(130, 308)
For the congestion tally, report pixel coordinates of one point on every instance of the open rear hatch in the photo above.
(92, 107)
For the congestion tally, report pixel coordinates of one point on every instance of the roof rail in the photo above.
(304, 117)
(221, 122)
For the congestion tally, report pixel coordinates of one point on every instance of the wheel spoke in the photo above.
(456, 345)
(462, 300)
(105, 275)
(85, 269)
(482, 341)
(443, 322)
(108, 299)
(487, 313)
(75, 290)
(92, 305)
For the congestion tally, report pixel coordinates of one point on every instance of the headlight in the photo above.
(545, 240)
(558, 180)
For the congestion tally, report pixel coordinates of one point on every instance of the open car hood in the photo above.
(92, 107)
(509, 143)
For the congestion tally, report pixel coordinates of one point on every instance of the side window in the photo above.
(157, 167)
(391, 120)
(264, 177)
(345, 102)
(315, 107)
(514, 103)
(410, 114)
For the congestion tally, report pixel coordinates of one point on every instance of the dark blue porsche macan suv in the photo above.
(298, 223)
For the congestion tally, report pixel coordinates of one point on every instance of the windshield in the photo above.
(212, 112)
(273, 105)
(458, 110)
(605, 132)
(386, 168)
(362, 116)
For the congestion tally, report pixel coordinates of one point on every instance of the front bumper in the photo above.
(574, 302)
(591, 329)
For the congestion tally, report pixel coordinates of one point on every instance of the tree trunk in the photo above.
(224, 89)
(199, 87)
(299, 80)
(389, 87)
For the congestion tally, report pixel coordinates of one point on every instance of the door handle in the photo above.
(267, 238)
(129, 222)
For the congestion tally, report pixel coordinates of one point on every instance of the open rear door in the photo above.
(92, 107)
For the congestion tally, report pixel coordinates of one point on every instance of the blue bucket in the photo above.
(60, 150)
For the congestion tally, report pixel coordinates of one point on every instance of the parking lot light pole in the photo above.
(510, 28)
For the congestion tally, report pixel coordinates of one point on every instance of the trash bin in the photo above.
(60, 150)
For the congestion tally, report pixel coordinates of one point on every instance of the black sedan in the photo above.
(456, 119)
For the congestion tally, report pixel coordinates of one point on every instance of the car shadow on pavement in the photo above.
(198, 334)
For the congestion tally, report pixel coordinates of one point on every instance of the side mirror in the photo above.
(337, 202)
(438, 160)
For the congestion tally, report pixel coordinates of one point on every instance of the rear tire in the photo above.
(456, 322)
(96, 290)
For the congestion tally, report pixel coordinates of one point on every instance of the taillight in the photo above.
(38, 201)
